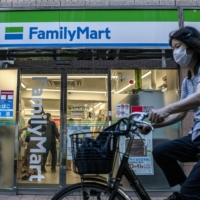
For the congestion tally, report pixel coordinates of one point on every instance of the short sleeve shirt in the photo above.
(189, 86)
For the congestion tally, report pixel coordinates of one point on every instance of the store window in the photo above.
(39, 138)
(87, 110)
(8, 92)
(143, 90)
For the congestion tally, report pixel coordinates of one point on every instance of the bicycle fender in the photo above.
(123, 194)
(95, 179)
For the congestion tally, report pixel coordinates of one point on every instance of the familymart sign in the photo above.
(87, 28)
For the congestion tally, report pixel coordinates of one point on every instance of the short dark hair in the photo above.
(48, 115)
(191, 37)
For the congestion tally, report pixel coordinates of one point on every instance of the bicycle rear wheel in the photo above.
(86, 191)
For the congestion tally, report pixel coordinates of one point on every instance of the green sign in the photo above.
(87, 28)
(138, 78)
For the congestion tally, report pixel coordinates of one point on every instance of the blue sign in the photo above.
(6, 104)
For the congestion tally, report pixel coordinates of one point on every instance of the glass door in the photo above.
(75, 102)
(87, 110)
(39, 141)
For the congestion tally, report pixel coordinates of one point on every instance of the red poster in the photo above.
(136, 109)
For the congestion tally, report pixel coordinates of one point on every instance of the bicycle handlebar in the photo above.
(134, 119)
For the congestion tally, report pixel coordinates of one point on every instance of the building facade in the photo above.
(82, 60)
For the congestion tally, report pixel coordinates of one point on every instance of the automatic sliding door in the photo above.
(87, 110)
(38, 160)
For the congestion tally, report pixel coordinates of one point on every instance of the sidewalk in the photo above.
(45, 197)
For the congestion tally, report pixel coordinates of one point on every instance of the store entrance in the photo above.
(87, 110)
(77, 100)
(39, 136)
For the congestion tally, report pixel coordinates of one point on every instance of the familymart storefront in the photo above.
(84, 67)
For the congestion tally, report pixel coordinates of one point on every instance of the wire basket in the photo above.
(93, 153)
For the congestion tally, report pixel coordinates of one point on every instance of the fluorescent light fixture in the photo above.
(32, 101)
(47, 90)
(23, 85)
(146, 74)
(71, 77)
(97, 105)
(73, 91)
(49, 77)
(84, 91)
(124, 88)
(45, 110)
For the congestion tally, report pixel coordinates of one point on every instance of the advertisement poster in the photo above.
(140, 160)
(6, 104)
(146, 109)
(122, 110)
(75, 128)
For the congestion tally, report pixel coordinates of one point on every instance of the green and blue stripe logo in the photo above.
(14, 33)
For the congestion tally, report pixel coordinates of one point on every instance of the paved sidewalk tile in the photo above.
(46, 197)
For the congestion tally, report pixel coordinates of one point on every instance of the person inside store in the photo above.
(51, 135)
(32, 144)
(185, 43)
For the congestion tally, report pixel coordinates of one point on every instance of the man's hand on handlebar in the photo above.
(158, 116)
(145, 129)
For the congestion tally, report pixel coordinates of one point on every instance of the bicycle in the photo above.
(96, 187)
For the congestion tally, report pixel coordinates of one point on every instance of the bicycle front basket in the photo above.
(91, 152)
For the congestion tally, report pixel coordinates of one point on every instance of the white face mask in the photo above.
(181, 57)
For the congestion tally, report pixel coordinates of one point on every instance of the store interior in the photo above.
(87, 104)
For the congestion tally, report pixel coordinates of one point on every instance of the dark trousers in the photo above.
(167, 155)
(52, 148)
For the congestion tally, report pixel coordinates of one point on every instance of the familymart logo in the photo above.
(14, 33)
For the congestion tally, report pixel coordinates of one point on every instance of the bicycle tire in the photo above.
(91, 191)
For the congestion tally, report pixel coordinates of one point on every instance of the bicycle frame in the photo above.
(125, 170)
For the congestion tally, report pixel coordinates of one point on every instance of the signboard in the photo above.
(6, 104)
(87, 28)
(142, 108)
(192, 18)
(122, 110)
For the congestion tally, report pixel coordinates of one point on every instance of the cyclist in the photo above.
(186, 52)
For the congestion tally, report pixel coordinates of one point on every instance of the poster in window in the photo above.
(140, 160)
(6, 104)
(122, 110)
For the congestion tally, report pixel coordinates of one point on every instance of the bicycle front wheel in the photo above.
(86, 191)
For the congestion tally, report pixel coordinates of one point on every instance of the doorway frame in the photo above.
(63, 72)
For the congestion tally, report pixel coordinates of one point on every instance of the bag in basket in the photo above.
(95, 156)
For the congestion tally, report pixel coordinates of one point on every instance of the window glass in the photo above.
(143, 90)
(87, 110)
(39, 141)
(8, 91)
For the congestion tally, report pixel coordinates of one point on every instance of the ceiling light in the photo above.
(146, 74)
(79, 77)
(47, 90)
(44, 109)
(23, 85)
(73, 91)
(71, 77)
(124, 88)
(32, 101)
(49, 77)
(97, 105)
(84, 91)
